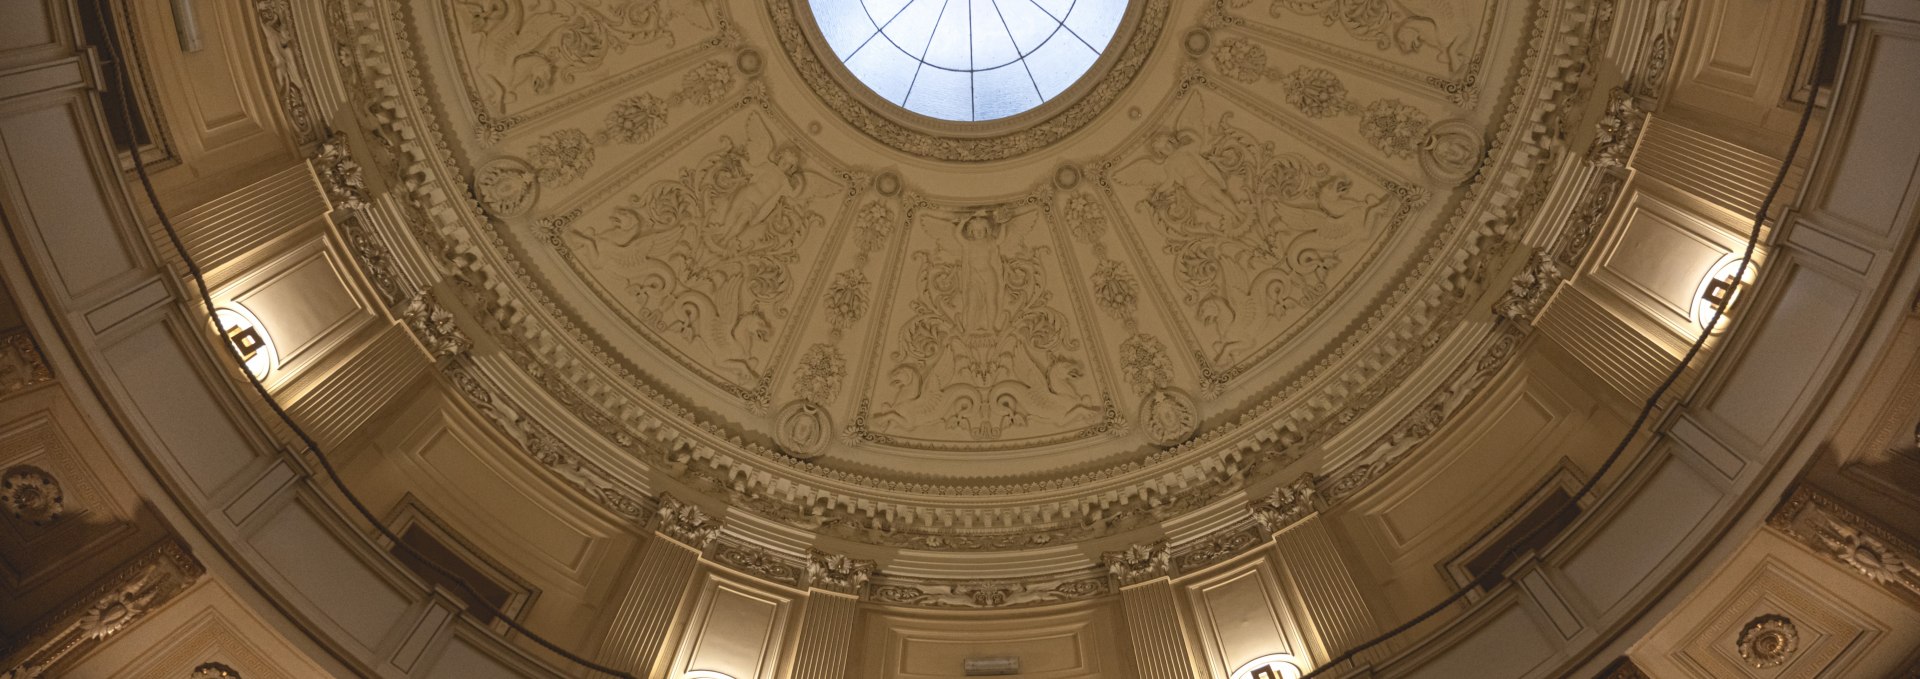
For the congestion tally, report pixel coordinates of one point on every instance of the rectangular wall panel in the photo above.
(298, 546)
(1662, 513)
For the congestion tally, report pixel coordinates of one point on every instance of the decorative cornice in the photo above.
(755, 560)
(1619, 130)
(1286, 505)
(1139, 563)
(341, 178)
(1855, 541)
(434, 326)
(988, 593)
(21, 365)
(1530, 289)
(838, 572)
(1220, 546)
(112, 605)
(685, 523)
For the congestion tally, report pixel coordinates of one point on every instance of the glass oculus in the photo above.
(968, 60)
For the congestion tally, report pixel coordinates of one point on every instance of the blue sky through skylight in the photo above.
(968, 60)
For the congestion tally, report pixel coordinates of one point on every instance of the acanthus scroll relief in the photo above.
(706, 261)
(1256, 234)
(523, 52)
(983, 349)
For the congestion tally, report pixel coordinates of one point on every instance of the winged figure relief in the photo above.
(1252, 231)
(706, 258)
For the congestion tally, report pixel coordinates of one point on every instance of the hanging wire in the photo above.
(474, 599)
(1652, 403)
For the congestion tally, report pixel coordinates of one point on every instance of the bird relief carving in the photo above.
(529, 50)
(986, 353)
(704, 260)
(1252, 236)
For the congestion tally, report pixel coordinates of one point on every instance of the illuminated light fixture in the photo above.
(1718, 289)
(705, 674)
(249, 338)
(1273, 666)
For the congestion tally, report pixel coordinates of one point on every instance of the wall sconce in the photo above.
(1273, 666)
(241, 328)
(186, 24)
(1717, 289)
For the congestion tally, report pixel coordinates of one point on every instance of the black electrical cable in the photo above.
(1673, 376)
(206, 297)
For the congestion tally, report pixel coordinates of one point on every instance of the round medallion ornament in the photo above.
(1768, 641)
(506, 187)
(1452, 152)
(32, 495)
(1168, 416)
(803, 429)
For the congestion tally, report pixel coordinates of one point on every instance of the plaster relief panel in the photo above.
(1777, 625)
(525, 60)
(981, 348)
(52, 508)
(706, 259)
(1656, 260)
(307, 304)
(1242, 615)
(1438, 41)
(1259, 237)
(491, 504)
(1083, 642)
(736, 631)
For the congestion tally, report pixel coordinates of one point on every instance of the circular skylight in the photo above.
(968, 60)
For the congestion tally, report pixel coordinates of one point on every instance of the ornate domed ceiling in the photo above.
(681, 222)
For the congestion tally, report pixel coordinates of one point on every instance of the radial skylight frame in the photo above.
(977, 60)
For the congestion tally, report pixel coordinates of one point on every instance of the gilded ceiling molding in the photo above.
(1854, 541)
(1768, 641)
(21, 365)
(214, 670)
(838, 572)
(31, 495)
(1619, 130)
(757, 561)
(1286, 505)
(276, 18)
(1219, 546)
(687, 524)
(113, 604)
(1139, 563)
(1531, 289)
(434, 327)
